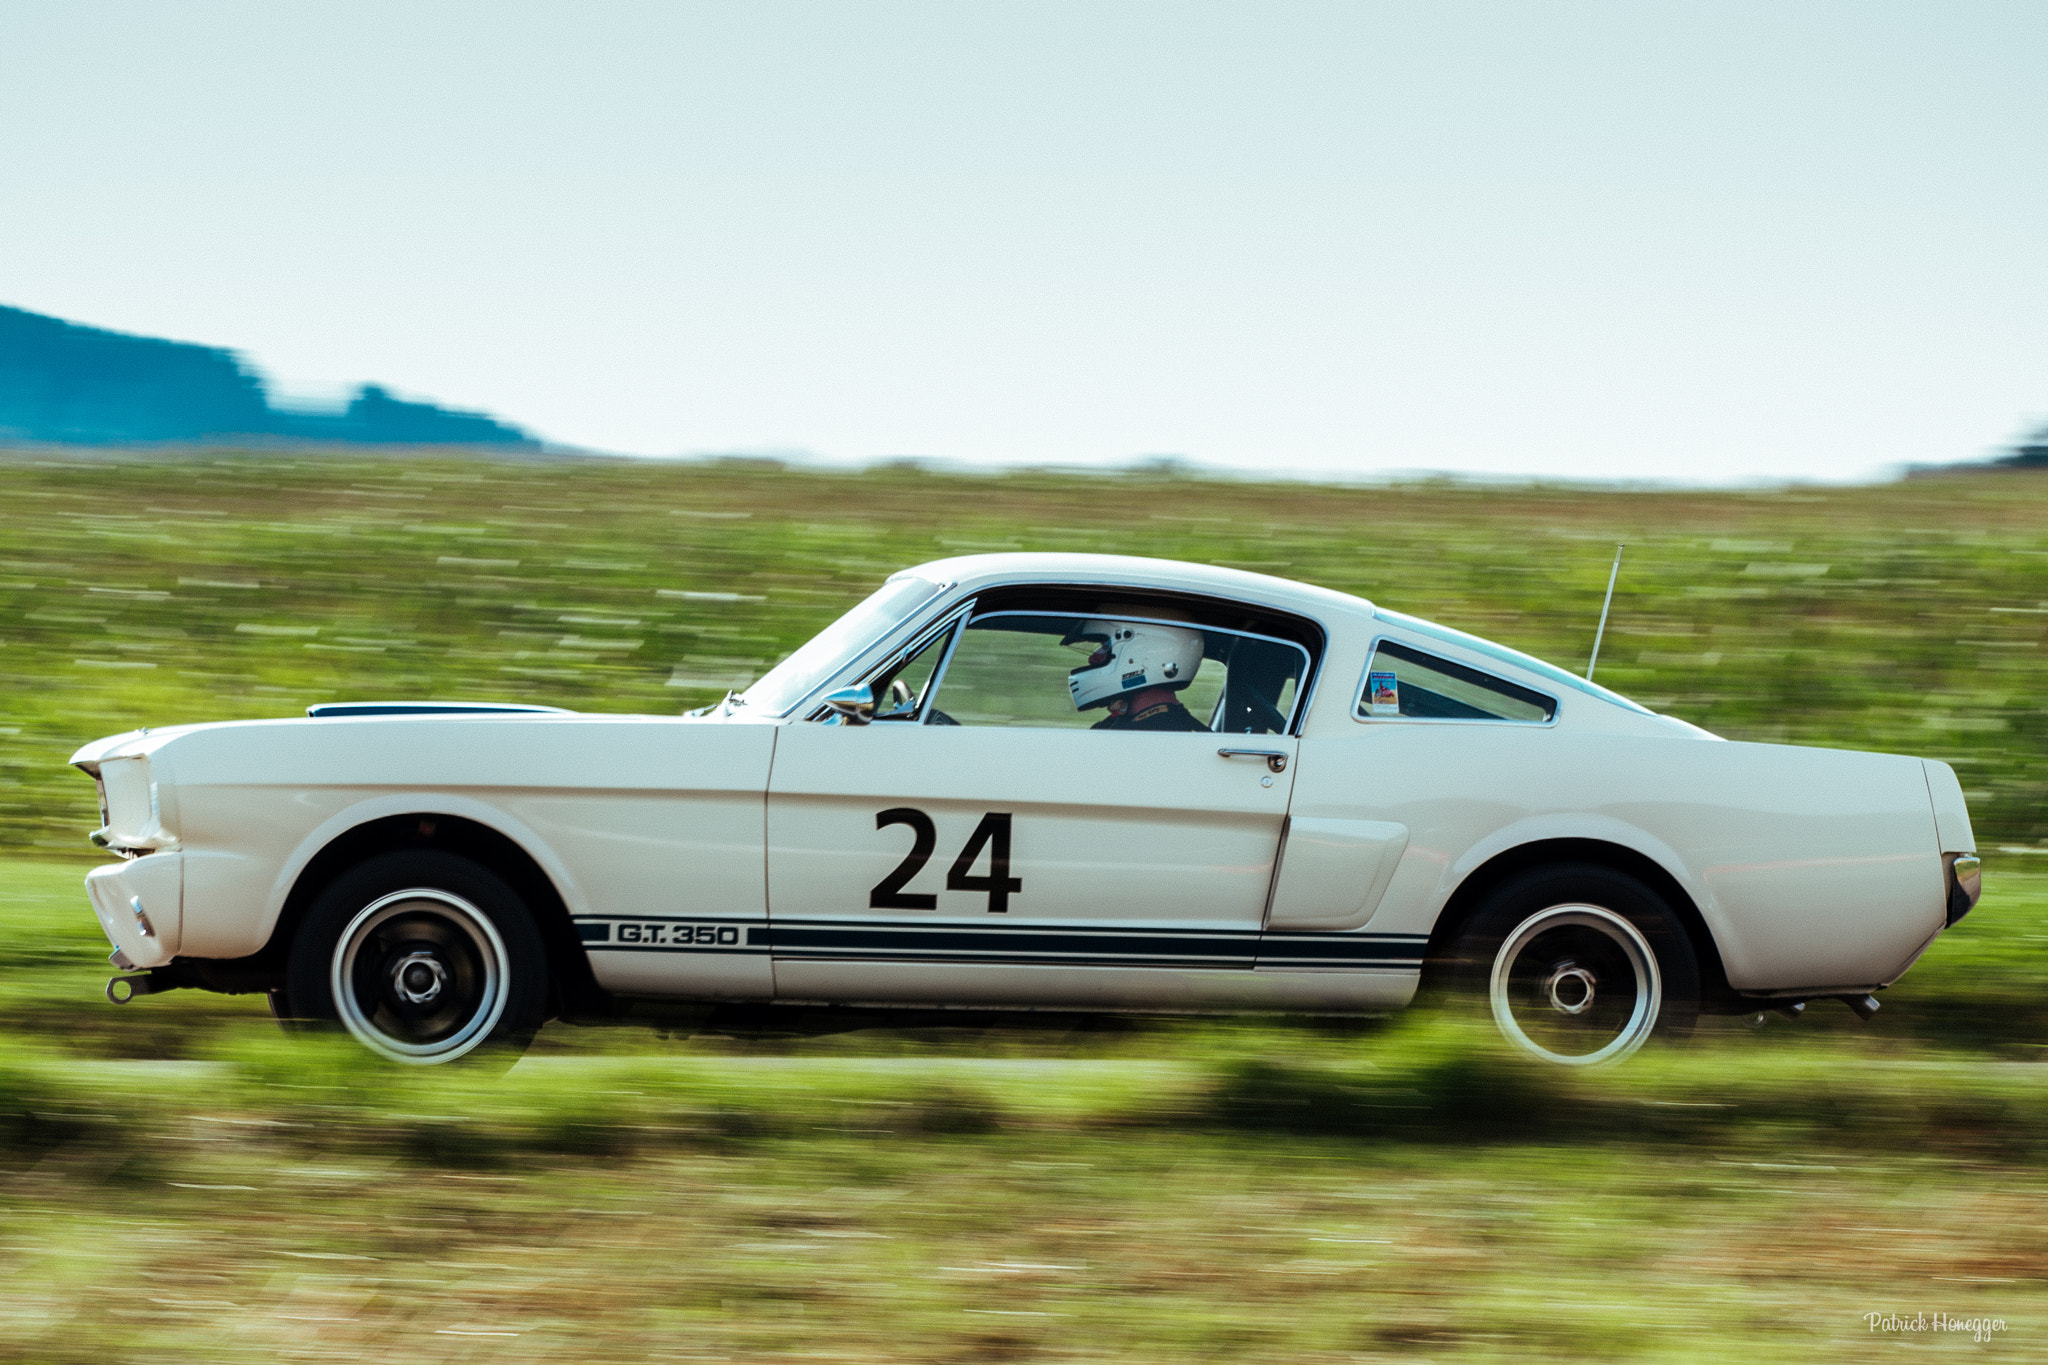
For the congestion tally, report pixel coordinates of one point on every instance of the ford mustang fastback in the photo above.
(1034, 782)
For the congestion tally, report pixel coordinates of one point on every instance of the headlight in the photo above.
(131, 808)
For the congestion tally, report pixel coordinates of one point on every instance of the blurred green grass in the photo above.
(135, 591)
(234, 1243)
(1240, 1192)
(178, 1181)
(1225, 1190)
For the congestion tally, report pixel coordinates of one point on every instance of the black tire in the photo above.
(441, 958)
(1576, 964)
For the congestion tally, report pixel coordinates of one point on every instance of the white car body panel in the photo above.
(1810, 866)
(1951, 812)
(1161, 990)
(138, 904)
(1148, 846)
(629, 817)
(1334, 871)
(682, 847)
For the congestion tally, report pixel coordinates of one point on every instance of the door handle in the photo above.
(1276, 759)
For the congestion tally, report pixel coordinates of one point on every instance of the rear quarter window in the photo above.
(1407, 682)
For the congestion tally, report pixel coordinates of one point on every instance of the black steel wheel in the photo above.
(424, 957)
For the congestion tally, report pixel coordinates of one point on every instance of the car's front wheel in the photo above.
(1578, 965)
(423, 957)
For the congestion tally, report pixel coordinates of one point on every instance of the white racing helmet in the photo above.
(1130, 656)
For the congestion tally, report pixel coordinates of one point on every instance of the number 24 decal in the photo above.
(992, 833)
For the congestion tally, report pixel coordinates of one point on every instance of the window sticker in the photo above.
(1384, 693)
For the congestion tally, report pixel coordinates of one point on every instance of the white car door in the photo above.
(658, 828)
(990, 847)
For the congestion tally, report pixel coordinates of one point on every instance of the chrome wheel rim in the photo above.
(419, 976)
(1576, 985)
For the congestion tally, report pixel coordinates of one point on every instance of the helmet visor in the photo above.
(1090, 638)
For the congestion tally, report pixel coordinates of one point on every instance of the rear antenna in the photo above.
(1612, 575)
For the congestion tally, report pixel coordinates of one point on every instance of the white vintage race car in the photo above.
(1034, 782)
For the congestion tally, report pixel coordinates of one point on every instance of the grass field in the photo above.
(1905, 617)
(178, 1182)
(183, 1183)
(227, 1232)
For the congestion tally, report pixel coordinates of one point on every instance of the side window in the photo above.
(900, 691)
(1011, 670)
(1406, 682)
(1117, 671)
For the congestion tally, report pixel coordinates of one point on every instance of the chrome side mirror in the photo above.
(851, 706)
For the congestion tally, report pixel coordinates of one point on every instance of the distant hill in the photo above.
(2031, 453)
(64, 383)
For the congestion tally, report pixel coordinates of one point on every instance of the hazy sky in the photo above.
(1664, 240)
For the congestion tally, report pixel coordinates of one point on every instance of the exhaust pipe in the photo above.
(1865, 1007)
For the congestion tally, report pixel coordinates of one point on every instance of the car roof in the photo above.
(989, 570)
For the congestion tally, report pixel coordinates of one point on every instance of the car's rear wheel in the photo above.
(1577, 965)
(424, 957)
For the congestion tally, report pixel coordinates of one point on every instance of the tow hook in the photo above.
(122, 989)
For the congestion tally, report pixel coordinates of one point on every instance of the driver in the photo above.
(1133, 669)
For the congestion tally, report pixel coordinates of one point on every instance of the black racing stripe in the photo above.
(1068, 945)
(1000, 927)
(795, 939)
(1205, 964)
(1318, 949)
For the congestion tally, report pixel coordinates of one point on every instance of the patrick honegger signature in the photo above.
(1980, 1329)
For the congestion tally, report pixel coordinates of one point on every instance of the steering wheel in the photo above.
(1257, 716)
(1267, 713)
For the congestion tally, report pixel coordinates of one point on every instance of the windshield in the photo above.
(796, 677)
(1549, 672)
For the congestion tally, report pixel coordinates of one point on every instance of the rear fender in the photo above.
(1539, 829)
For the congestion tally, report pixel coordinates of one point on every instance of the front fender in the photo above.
(233, 900)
